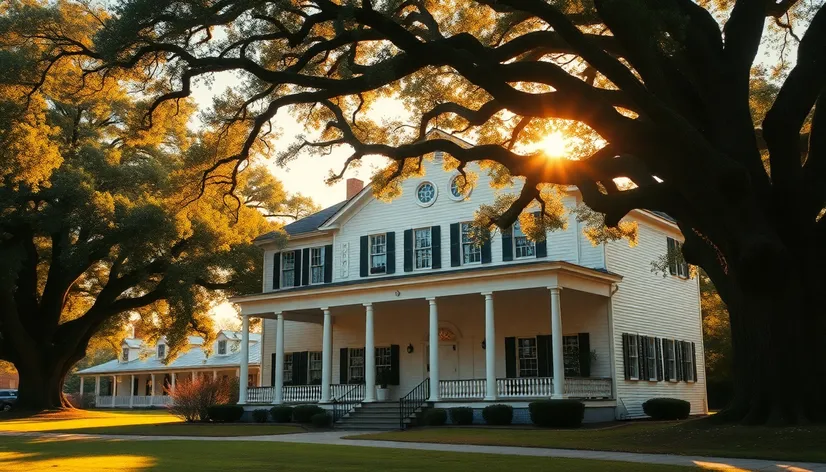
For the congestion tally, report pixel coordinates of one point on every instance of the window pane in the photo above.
(378, 253)
(287, 269)
(471, 252)
(523, 247)
(528, 361)
(422, 248)
(570, 355)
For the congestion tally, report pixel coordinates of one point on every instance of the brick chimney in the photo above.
(354, 186)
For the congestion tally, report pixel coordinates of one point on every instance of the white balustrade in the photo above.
(260, 394)
(525, 387)
(588, 388)
(138, 401)
(461, 389)
(301, 393)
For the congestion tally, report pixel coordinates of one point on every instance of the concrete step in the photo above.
(371, 421)
(367, 427)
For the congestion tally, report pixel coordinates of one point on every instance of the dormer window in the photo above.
(161, 351)
(222, 347)
(124, 355)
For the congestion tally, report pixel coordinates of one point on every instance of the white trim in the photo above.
(461, 197)
(370, 254)
(415, 259)
(432, 200)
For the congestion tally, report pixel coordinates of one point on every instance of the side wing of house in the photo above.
(656, 321)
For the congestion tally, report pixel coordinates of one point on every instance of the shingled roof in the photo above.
(308, 224)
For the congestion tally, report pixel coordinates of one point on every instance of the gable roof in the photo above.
(308, 224)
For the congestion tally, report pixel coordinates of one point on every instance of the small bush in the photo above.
(304, 413)
(281, 414)
(225, 413)
(192, 398)
(435, 417)
(462, 415)
(498, 414)
(667, 408)
(83, 402)
(321, 420)
(260, 415)
(557, 413)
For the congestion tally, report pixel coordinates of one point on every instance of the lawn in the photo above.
(28, 454)
(686, 438)
(150, 423)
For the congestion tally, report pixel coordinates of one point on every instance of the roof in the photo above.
(308, 224)
(194, 358)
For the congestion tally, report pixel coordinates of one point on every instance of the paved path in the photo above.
(337, 438)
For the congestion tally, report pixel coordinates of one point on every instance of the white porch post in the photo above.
(215, 375)
(278, 396)
(114, 387)
(174, 376)
(434, 350)
(490, 349)
(556, 338)
(132, 391)
(369, 356)
(153, 384)
(192, 376)
(81, 385)
(97, 385)
(327, 356)
(245, 359)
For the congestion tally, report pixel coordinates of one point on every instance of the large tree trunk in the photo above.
(41, 386)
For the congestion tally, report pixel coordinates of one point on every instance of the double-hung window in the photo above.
(317, 265)
(671, 360)
(651, 357)
(570, 355)
(676, 264)
(161, 351)
(378, 254)
(288, 269)
(688, 362)
(634, 357)
(124, 354)
(471, 251)
(315, 367)
(356, 364)
(423, 248)
(382, 360)
(288, 368)
(222, 347)
(522, 246)
(528, 358)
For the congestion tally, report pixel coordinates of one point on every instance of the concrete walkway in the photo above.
(336, 438)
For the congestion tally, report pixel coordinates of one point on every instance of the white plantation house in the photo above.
(142, 367)
(368, 294)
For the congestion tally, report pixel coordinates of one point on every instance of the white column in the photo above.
(327, 356)
(132, 391)
(278, 396)
(490, 349)
(369, 356)
(556, 339)
(245, 359)
(81, 386)
(114, 387)
(153, 384)
(215, 375)
(97, 385)
(174, 376)
(192, 376)
(434, 350)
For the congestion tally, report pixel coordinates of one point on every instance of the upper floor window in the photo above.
(378, 253)
(471, 251)
(288, 269)
(458, 189)
(161, 351)
(676, 264)
(426, 193)
(222, 347)
(317, 265)
(124, 355)
(522, 246)
(423, 248)
(528, 358)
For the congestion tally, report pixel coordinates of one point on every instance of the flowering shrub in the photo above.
(191, 399)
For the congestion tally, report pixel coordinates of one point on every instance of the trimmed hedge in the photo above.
(225, 413)
(281, 414)
(498, 414)
(321, 420)
(667, 408)
(462, 415)
(557, 413)
(435, 417)
(260, 416)
(304, 413)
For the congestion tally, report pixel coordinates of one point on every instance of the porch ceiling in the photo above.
(306, 301)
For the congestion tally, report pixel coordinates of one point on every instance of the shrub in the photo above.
(84, 402)
(304, 413)
(261, 415)
(557, 413)
(225, 413)
(281, 414)
(498, 414)
(667, 408)
(435, 417)
(462, 415)
(192, 398)
(321, 420)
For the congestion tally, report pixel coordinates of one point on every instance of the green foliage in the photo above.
(321, 420)
(304, 413)
(461, 415)
(498, 415)
(260, 415)
(281, 414)
(557, 413)
(435, 417)
(225, 413)
(667, 408)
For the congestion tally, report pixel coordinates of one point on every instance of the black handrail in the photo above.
(409, 403)
(343, 404)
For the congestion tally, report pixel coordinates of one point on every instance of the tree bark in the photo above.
(41, 383)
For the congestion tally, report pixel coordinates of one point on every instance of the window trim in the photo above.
(158, 351)
(283, 262)
(350, 366)
(218, 347)
(652, 357)
(435, 193)
(320, 369)
(681, 270)
(516, 255)
(461, 197)
(519, 356)
(370, 254)
(380, 365)
(311, 266)
(672, 360)
(634, 356)
(688, 361)
(575, 337)
(124, 354)
(429, 230)
(462, 245)
(289, 358)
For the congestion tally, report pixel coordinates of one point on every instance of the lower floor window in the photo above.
(315, 367)
(528, 359)
(570, 355)
(688, 362)
(288, 368)
(356, 365)
(382, 361)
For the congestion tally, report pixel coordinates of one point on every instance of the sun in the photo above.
(553, 145)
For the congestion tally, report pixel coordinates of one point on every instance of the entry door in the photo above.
(448, 362)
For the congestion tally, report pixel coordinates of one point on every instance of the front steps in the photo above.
(375, 416)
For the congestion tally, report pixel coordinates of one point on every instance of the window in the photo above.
(222, 347)
(676, 264)
(382, 361)
(651, 357)
(426, 193)
(287, 269)
(161, 351)
(456, 190)
(315, 362)
(671, 360)
(423, 248)
(288, 368)
(125, 354)
(522, 246)
(378, 253)
(570, 355)
(471, 252)
(688, 362)
(317, 265)
(355, 358)
(633, 357)
(528, 360)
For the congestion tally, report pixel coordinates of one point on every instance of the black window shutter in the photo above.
(272, 371)
(642, 343)
(436, 241)
(658, 344)
(342, 366)
(678, 351)
(328, 263)
(544, 355)
(510, 357)
(276, 271)
(394, 365)
(364, 256)
(694, 360)
(305, 275)
(391, 252)
(408, 250)
(455, 245)
(486, 253)
(507, 244)
(672, 263)
(625, 360)
(297, 273)
(541, 246)
(584, 355)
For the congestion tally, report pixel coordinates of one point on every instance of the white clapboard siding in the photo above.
(298, 337)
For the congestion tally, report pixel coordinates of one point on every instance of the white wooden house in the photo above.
(396, 290)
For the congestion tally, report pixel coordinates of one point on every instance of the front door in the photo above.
(448, 362)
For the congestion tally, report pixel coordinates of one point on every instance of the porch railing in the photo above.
(526, 387)
(260, 394)
(347, 400)
(409, 403)
(303, 393)
(468, 388)
(137, 401)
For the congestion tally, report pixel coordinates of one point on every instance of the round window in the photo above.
(426, 193)
(457, 190)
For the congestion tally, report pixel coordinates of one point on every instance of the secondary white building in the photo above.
(142, 377)
(368, 292)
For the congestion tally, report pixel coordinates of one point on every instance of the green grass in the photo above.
(686, 438)
(28, 454)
